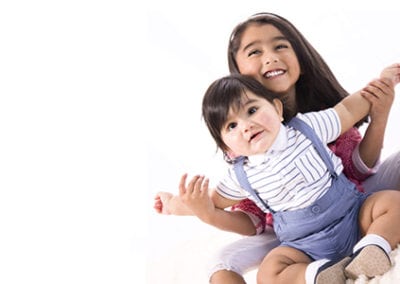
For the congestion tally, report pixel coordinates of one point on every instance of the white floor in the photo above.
(179, 251)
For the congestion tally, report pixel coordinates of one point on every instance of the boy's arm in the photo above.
(354, 107)
(209, 207)
(168, 204)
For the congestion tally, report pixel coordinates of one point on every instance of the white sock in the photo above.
(373, 239)
(312, 269)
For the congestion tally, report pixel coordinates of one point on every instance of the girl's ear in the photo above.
(279, 107)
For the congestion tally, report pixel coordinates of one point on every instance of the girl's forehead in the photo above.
(261, 29)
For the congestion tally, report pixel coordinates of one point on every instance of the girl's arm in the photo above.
(372, 143)
(381, 102)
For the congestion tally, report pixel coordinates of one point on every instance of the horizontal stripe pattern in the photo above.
(294, 177)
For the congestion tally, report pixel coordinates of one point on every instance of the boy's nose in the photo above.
(247, 126)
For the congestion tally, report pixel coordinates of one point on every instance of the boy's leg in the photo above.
(379, 221)
(226, 276)
(380, 215)
(283, 265)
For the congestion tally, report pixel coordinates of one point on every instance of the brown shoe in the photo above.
(370, 261)
(332, 272)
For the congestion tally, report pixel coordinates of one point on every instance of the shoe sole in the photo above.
(370, 261)
(333, 274)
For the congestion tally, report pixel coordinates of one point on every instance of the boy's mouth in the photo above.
(254, 136)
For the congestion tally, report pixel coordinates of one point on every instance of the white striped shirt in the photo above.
(291, 174)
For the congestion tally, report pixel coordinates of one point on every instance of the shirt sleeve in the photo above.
(230, 188)
(326, 124)
(359, 164)
(256, 215)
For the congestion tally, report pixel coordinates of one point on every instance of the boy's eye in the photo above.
(231, 126)
(252, 110)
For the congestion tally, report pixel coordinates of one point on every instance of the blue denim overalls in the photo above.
(328, 228)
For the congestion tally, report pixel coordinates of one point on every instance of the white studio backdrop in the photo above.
(100, 109)
(187, 48)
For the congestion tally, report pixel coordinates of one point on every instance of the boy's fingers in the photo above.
(182, 183)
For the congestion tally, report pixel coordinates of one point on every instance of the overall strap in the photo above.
(244, 182)
(304, 128)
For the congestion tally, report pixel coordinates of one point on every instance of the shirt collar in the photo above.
(278, 146)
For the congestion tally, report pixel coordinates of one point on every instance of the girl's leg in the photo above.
(387, 176)
(235, 259)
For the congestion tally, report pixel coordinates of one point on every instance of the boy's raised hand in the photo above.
(195, 196)
(380, 93)
(161, 201)
(391, 73)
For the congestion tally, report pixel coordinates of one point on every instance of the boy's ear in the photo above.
(279, 107)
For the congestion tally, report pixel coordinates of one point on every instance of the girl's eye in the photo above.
(281, 46)
(231, 126)
(252, 110)
(253, 52)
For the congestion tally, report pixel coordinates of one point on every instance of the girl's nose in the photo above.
(270, 59)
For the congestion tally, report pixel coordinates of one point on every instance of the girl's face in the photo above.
(252, 128)
(266, 55)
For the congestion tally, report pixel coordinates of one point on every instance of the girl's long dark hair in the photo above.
(317, 87)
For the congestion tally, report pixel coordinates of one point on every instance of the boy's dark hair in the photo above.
(317, 87)
(227, 93)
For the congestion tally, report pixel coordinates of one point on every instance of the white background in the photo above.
(92, 90)
(187, 48)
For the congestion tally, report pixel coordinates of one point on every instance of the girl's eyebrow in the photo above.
(274, 39)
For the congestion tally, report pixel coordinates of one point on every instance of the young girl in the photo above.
(313, 88)
(288, 171)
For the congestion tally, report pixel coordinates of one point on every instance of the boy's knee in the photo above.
(226, 276)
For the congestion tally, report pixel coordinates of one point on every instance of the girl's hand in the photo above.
(380, 93)
(195, 196)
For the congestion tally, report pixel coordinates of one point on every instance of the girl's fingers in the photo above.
(378, 88)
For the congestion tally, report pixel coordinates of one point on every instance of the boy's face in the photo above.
(253, 128)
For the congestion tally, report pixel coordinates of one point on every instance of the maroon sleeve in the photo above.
(344, 147)
(258, 217)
